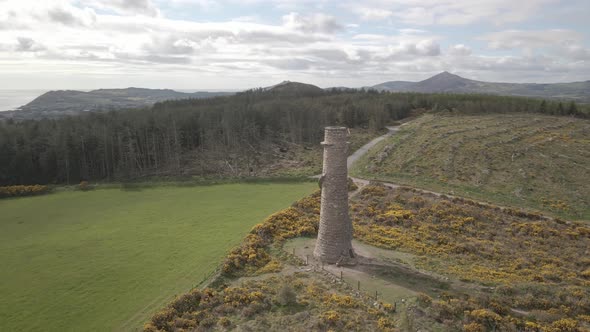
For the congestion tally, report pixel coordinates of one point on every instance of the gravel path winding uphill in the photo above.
(365, 148)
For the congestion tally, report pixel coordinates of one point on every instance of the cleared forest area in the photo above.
(521, 160)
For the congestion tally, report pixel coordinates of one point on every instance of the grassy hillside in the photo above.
(106, 259)
(458, 265)
(524, 160)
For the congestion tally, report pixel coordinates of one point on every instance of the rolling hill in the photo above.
(520, 160)
(294, 89)
(446, 82)
(393, 86)
(69, 102)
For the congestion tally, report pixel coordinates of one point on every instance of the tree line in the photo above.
(172, 137)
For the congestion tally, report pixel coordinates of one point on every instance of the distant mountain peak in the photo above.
(446, 76)
(446, 82)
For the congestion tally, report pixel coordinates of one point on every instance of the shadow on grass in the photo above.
(407, 278)
(193, 182)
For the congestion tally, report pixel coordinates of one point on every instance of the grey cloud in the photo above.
(152, 58)
(329, 54)
(290, 64)
(26, 44)
(135, 7)
(62, 16)
(140, 5)
(184, 46)
(311, 24)
(70, 55)
(279, 37)
(208, 42)
(407, 51)
(115, 57)
(88, 47)
(577, 52)
(508, 64)
(201, 32)
(70, 16)
(165, 59)
(337, 58)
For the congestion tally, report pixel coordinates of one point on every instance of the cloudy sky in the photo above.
(237, 44)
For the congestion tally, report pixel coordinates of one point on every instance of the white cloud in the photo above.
(131, 41)
(372, 14)
(179, 45)
(448, 12)
(510, 39)
(428, 47)
(410, 31)
(567, 44)
(459, 50)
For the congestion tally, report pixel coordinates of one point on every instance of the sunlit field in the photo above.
(106, 259)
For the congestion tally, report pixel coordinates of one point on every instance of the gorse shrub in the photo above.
(252, 253)
(18, 191)
(476, 239)
(534, 263)
(253, 301)
(301, 219)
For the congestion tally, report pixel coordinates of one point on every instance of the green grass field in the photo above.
(523, 160)
(106, 259)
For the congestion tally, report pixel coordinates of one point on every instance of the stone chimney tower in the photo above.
(335, 234)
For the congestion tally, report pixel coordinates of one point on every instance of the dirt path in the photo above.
(365, 148)
(353, 158)
(389, 273)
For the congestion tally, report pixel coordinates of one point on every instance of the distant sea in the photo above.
(11, 99)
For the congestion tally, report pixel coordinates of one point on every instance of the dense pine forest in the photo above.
(220, 136)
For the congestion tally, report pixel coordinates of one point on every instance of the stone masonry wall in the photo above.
(335, 232)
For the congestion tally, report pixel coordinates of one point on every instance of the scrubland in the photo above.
(505, 270)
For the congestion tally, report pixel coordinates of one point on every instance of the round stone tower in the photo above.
(335, 234)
